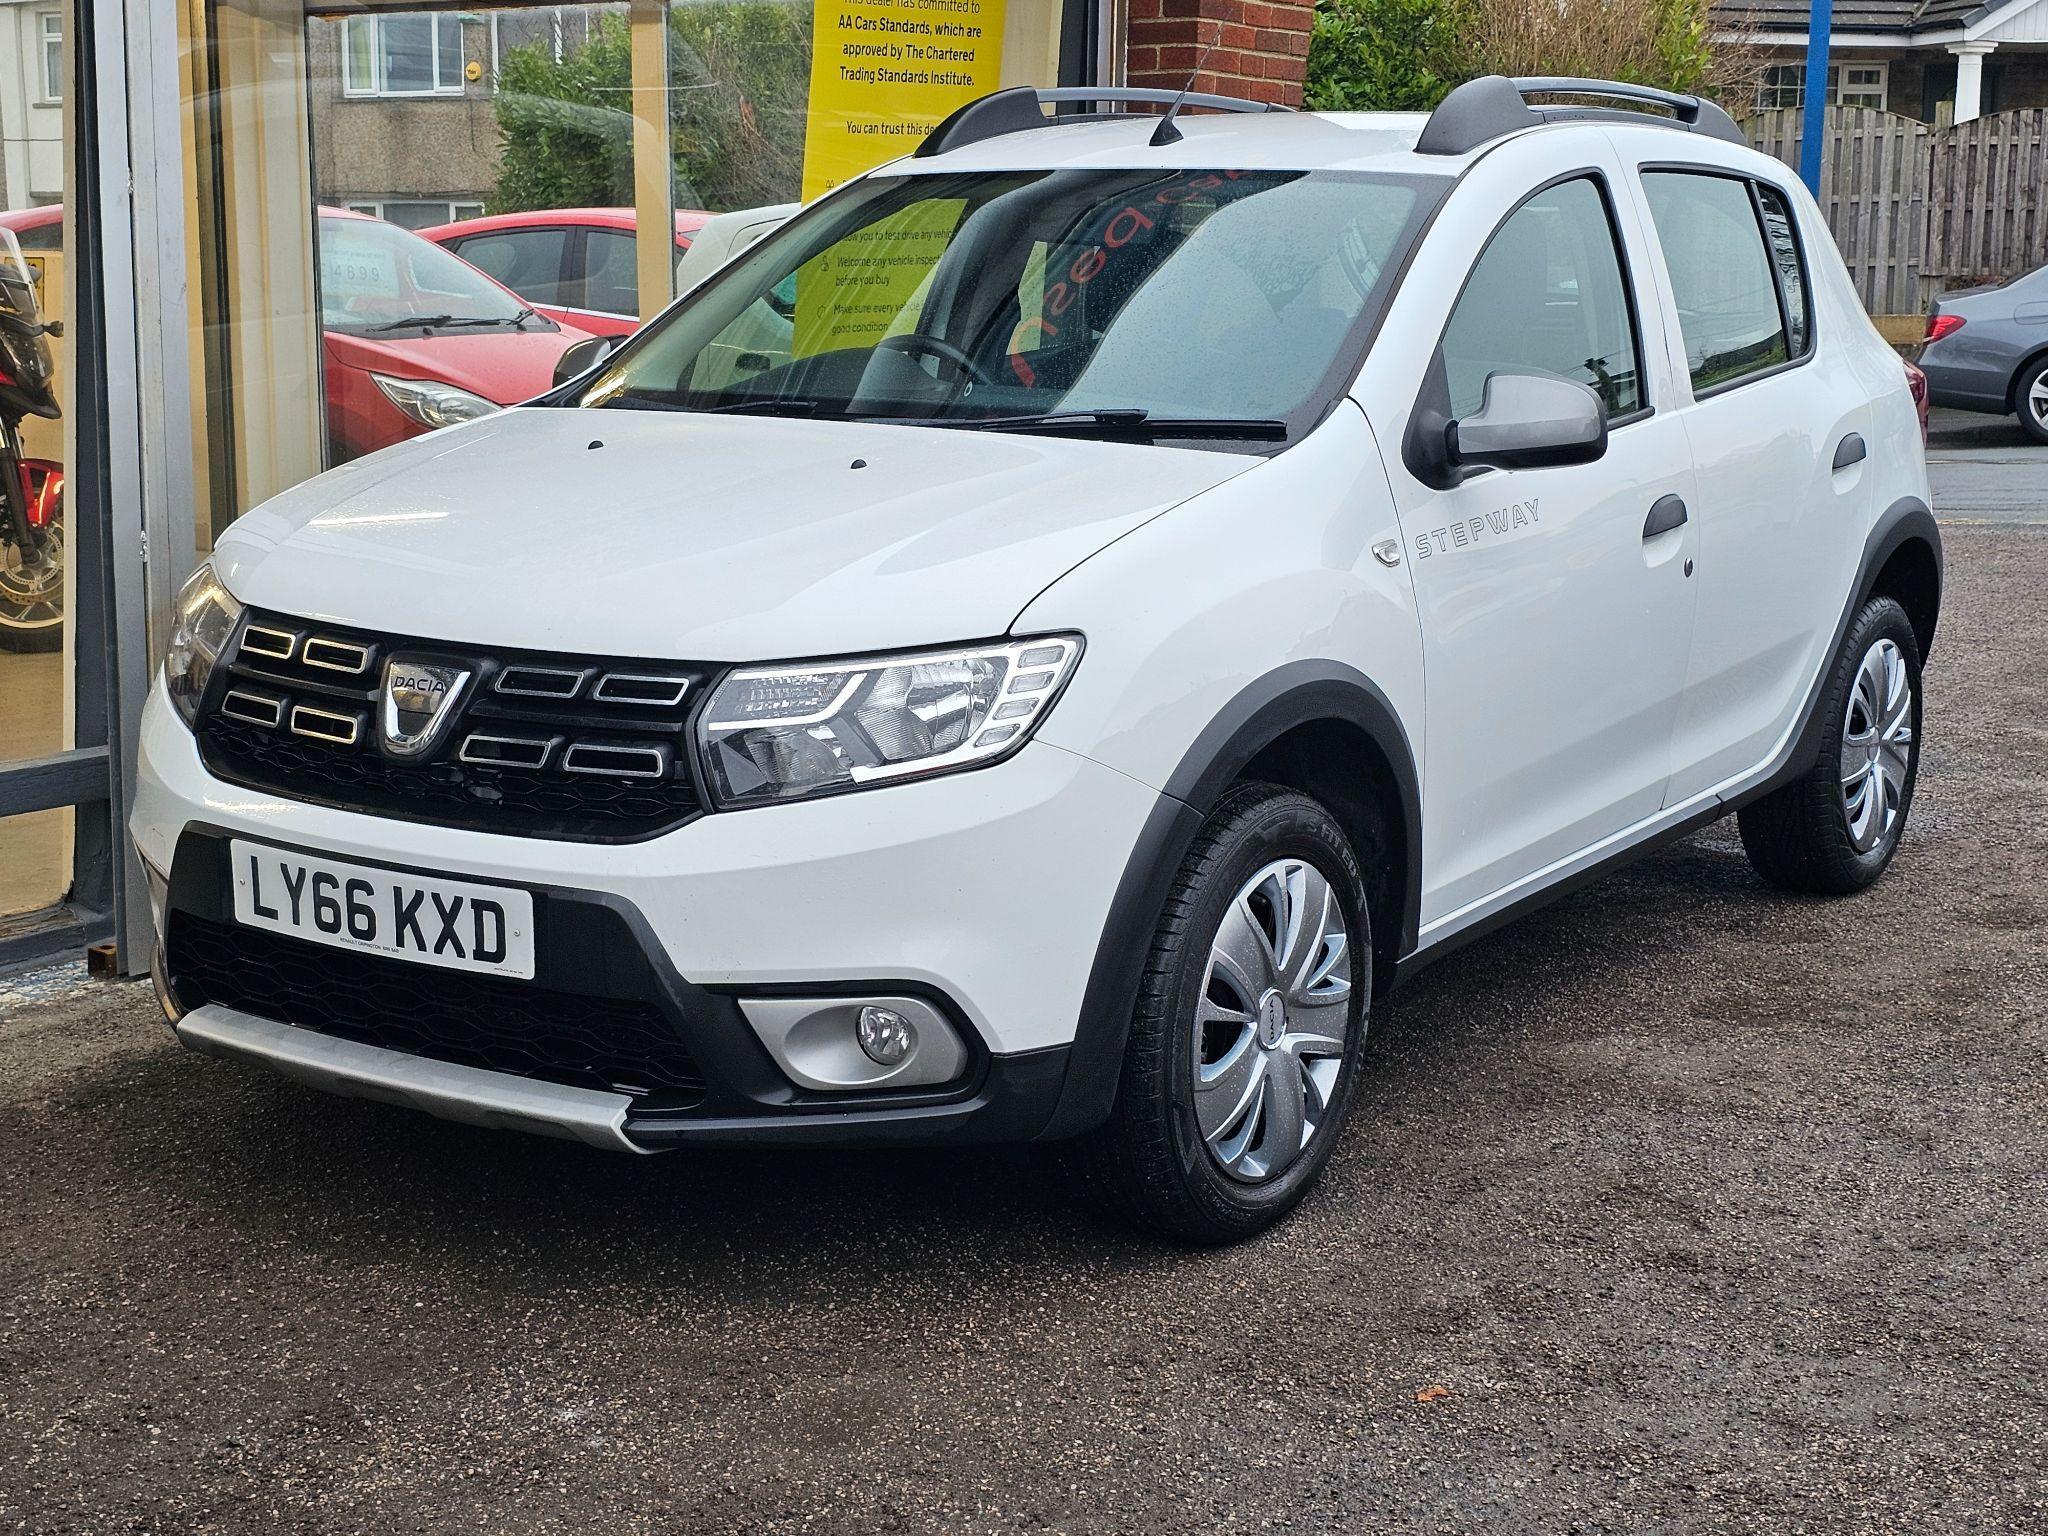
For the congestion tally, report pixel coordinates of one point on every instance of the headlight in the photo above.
(201, 623)
(431, 404)
(781, 733)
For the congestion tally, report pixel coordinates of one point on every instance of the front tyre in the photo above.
(32, 592)
(1835, 829)
(1248, 1027)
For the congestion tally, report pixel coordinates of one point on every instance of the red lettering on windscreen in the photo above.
(1128, 223)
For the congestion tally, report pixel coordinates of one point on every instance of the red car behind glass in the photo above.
(575, 265)
(414, 337)
(417, 338)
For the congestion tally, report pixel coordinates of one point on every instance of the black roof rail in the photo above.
(1482, 110)
(1022, 107)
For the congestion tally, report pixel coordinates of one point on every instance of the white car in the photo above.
(1181, 576)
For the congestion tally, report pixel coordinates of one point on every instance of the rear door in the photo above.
(1556, 623)
(1769, 417)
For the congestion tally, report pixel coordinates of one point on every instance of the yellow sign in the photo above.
(884, 71)
(872, 283)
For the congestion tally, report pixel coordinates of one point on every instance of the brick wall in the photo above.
(1261, 46)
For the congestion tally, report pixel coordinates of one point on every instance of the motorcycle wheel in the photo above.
(32, 594)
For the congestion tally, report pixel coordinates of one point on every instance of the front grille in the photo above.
(453, 1016)
(584, 748)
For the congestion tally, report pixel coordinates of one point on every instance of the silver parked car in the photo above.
(1987, 350)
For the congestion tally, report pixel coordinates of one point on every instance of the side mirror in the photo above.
(584, 356)
(1529, 421)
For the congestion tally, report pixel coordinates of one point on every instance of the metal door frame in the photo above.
(129, 493)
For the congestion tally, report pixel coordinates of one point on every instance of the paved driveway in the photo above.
(1683, 1206)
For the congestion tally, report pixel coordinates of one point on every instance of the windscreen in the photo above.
(377, 277)
(962, 299)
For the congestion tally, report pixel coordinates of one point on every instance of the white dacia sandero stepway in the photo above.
(1035, 647)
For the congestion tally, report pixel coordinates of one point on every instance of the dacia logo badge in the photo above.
(419, 698)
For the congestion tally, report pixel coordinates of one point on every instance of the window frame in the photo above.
(1756, 214)
(1783, 76)
(1884, 83)
(1605, 191)
(51, 63)
(377, 88)
(375, 206)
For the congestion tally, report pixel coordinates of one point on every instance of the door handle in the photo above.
(1850, 450)
(1666, 513)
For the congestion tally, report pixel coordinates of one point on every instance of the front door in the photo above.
(1556, 619)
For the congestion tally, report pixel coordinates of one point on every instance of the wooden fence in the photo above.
(1987, 198)
(1874, 171)
(1916, 209)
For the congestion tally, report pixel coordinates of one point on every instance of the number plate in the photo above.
(453, 923)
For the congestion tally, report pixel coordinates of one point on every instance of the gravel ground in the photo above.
(1682, 1206)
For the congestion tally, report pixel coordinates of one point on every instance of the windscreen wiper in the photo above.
(446, 322)
(765, 405)
(1134, 421)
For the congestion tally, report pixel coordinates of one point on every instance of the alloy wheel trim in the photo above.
(1877, 746)
(1272, 1021)
(32, 602)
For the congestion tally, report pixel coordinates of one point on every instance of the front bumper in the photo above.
(987, 891)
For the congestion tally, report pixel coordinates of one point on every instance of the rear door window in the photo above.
(1722, 278)
(611, 272)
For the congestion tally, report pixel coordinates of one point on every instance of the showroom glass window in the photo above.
(1721, 275)
(1548, 295)
(407, 55)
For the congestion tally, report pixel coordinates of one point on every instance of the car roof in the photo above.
(687, 221)
(1367, 141)
(1379, 142)
(32, 218)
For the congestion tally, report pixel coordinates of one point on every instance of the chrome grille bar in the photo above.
(615, 762)
(270, 644)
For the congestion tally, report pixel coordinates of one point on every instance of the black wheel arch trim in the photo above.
(1301, 693)
(1907, 520)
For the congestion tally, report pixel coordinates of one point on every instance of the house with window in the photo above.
(31, 103)
(1942, 61)
(403, 120)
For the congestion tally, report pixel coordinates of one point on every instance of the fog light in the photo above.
(886, 1037)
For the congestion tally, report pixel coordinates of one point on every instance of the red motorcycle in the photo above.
(31, 490)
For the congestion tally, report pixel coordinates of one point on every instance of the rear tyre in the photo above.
(1249, 1024)
(2030, 395)
(1835, 829)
